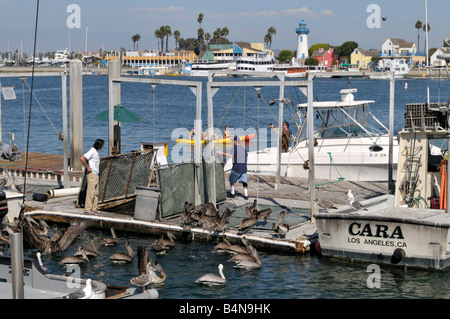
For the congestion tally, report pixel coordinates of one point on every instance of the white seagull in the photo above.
(354, 204)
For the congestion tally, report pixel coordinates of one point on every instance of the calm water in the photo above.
(281, 276)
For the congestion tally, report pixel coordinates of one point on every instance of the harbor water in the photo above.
(281, 276)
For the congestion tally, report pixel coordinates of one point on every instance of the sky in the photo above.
(111, 23)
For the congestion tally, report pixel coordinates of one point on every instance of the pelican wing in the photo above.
(74, 230)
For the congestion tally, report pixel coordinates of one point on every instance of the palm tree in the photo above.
(225, 32)
(137, 37)
(159, 34)
(207, 37)
(418, 26)
(271, 31)
(167, 34)
(200, 20)
(176, 35)
(267, 40)
(133, 38)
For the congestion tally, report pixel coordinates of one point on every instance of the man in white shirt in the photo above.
(91, 160)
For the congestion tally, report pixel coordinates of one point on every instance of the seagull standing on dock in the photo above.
(353, 203)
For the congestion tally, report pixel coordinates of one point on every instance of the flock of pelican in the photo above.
(48, 240)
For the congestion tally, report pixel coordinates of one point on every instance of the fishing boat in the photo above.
(217, 141)
(350, 143)
(410, 228)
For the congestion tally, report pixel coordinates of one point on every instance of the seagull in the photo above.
(325, 204)
(84, 293)
(354, 204)
(384, 18)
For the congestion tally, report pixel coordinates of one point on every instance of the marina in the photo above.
(351, 203)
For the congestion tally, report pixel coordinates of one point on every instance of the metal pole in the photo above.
(17, 265)
(65, 144)
(391, 184)
(310, 121)
(280, 135)
(1, 132)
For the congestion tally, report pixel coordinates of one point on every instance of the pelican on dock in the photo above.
(212, 279)
(282, 228)
(122, 258)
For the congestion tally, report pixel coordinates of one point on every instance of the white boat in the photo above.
(409, 229)
(350, 143)
(399, 66)
(203, 67)
(261, 62)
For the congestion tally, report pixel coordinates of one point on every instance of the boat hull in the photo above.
(388, 236)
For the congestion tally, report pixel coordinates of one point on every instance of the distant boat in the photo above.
(260, 62)
(291, 70)
(203, 67)
(399, 66)
(217, 141)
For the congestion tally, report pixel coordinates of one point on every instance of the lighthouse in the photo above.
(302, 42)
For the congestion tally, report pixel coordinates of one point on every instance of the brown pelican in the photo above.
(154, 274)
(89, 253)
(48, 245)
(168, 243)
(212, 279)
(282, 229)
(325, 205)
(247, 223)
(159, 247)
(74, 260)
(110, 241)
(251, 262)
(121, 258)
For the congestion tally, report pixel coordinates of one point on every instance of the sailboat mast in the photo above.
(426, 49)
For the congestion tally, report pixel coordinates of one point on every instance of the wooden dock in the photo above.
(291, 193)
(41, 166)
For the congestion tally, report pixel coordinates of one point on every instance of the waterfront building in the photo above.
(363, 58)
(152, 58)
(326, 58)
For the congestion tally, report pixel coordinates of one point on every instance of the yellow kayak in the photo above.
(219, 141)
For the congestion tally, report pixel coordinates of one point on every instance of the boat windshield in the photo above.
(342, 120)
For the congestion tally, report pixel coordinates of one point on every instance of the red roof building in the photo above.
(325, 57)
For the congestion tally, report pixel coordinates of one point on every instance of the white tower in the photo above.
(302, 42)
